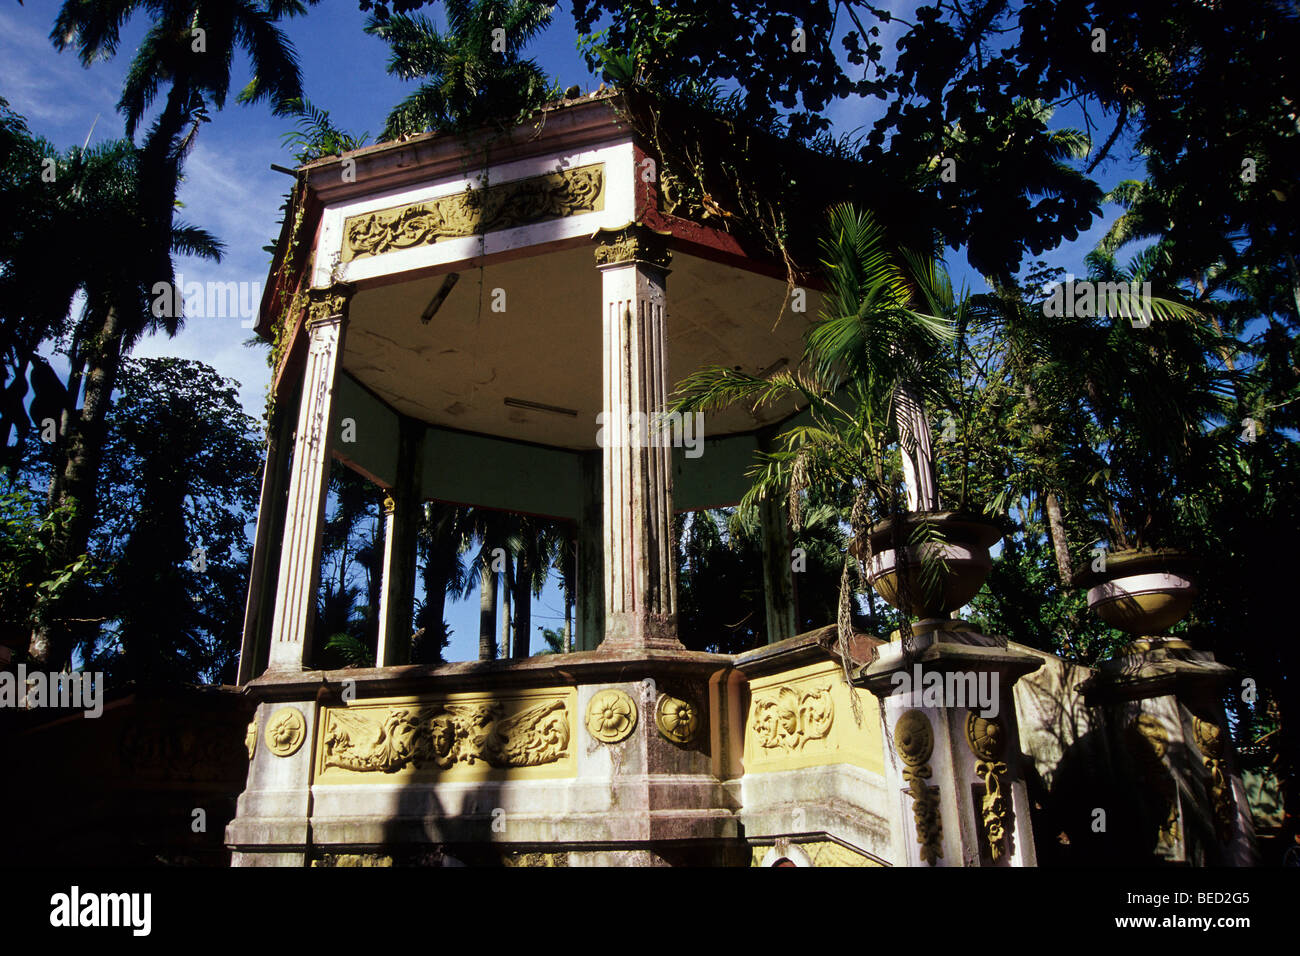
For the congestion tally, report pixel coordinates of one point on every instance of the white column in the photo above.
(295, 597)
(640, 579)
(270, 519)
(386, 650)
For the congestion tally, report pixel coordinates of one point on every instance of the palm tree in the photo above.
(490, 528)
(473, 72)
(872, 348)
(189, 47)
(445, 535)
(123, 257)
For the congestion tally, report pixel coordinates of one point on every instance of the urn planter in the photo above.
(955, 544)
(1142, 592)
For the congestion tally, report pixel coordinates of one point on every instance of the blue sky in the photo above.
(231, 190)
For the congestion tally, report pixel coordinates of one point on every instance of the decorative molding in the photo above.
(988, 741)
(389, 739)
(286, 731)
(790, 719)
(611, 716)
(520, 202)
(326, 304)
(677, 719)
(634, 242)
(1210, 740)
(1148, 742)
(352, 860)
(914, 742)
(250, 737)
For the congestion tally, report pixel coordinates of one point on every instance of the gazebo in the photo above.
(498, 320)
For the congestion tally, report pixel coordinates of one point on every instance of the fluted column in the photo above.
(266, 542)
(640, 578)
(295, 599)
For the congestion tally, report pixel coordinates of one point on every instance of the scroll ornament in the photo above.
(568, 192)
(788, 721)
(1209, 738)
(914, 741)
(443, 735)
(326, 303)
(634, 242)
(987, 740)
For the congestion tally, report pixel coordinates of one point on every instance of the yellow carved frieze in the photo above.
(520, 202)
(1209, 740)
(987, 739)
(467, 736)
(914, 741)
(804, 718)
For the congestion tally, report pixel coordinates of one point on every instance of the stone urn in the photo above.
(955, 544)
(1142, 592)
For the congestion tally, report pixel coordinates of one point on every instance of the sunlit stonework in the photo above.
(676, 719)
(569, 192)
(611, 716)
(792, 718)
(286, 731)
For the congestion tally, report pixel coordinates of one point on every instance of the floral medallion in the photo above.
(676, 719)
(286, 731)
(611, 716)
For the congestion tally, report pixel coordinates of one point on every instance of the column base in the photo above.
(629, 631)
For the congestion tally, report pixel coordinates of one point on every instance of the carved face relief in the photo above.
(793, 718)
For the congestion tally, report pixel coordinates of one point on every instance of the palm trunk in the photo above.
(1060, 542)
(487, 613)
(523, 604)
(51, 643)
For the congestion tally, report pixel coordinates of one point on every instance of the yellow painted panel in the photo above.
(518, 735)
(804, 718)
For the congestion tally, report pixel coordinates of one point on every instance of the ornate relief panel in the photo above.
(914, 741)
(1210, 741)
(521, 202)
(804, 718)
(468, 736)
(987, 739)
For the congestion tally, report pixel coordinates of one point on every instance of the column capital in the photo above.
(328, 302)
(633, 242)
